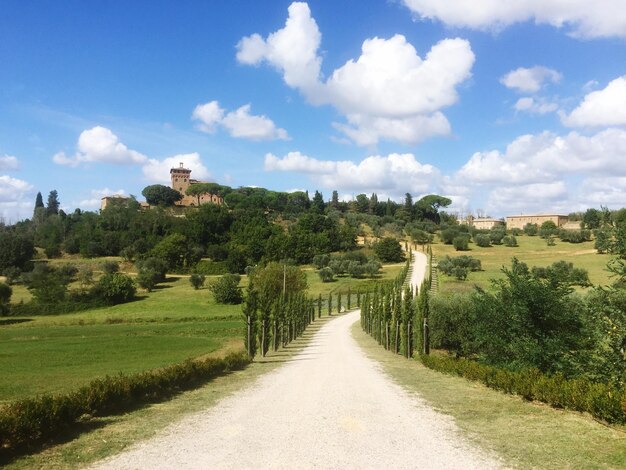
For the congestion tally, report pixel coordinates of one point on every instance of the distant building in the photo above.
(181, 180)
(481, 223)
(115, 200)
(519, 221)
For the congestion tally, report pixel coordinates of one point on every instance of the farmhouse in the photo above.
(482, 223)
(181, 180)
(519, 221)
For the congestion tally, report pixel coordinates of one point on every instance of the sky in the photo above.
(503, 106)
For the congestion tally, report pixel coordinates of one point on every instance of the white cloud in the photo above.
(603, 18)
(209, 116)
(8, 163)
(14, 199)
(367, 130)
(535, 106)
(606, 107)
(530, 80)
(545, 157)
(96, 197)
(158, 171)
(605, 191)
(389, 92)
(239, 123)
(292, 50)
(394, 174)
(99, 144)
(540, 197)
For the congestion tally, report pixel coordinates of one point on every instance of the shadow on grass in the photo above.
(14, 321)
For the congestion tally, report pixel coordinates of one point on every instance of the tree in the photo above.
(461, 243)
(53, 202)
(116, 288)
(38, 204)
(47, 285)
(226, 289)
(160, 195)
(197, 280)
(16, 250)
(408, 206)
(373, 207)
(482, 240)
(548, 229)
(326, 274)
(317, 205)
(5, 298)
(334, 201)
(427, 208)
(592, 219)
(531, 229)
(362, 203)
(389, 250)
(176, 251)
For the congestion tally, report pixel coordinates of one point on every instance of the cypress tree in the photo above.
(349, 298)
(319, 306)
(338, 302)
(330, 304)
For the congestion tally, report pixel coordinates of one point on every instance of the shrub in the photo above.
(12, 274)
(321, 261)
(29, 423)
(447, 264)
(461, 243)
(197, 280)
(482, 240)
(460, 273)
(5, 298)
(148, 278)
(68, 271)
(496, 235)
(510, 241)
(531, 229)
(110, 267)
(226, 289)
(116, 288)
(389, 250)
(326, 274)
(602, 401)
(448, 235)
(211, 268)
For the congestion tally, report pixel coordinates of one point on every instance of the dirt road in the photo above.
(329, 407)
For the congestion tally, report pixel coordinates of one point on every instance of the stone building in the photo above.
(181, 180)
(519, 221)
(481, 223)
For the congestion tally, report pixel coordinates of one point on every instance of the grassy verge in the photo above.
(110, 436)
(532, 250)
(526, 435)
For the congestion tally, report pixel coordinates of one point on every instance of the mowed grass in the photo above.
(534, 251)
(58, 353)
(524, 434)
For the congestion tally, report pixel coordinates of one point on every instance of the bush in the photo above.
(197, 280)
(602, 401)
(12, 274)
(389, 250)
(29, 423)
(148, 278)
(211, 268)
(447, 264)
(155, 264)
(110, 267)
(326, 274)
(510, 241)
(5, 298)
(226, 289)
(460, 273)
(116, 288)
(496, 235)
(482, 240)
(461, 243)
(448, 235)
(531, 229)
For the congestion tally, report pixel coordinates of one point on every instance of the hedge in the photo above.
(602, 401)
(28, 423)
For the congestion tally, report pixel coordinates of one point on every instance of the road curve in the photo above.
(329, 407)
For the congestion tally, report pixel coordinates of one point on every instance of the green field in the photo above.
(532, 250)
(59, 353)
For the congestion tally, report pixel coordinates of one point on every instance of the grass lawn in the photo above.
(59, 353)
(524, 434)
(532, 250)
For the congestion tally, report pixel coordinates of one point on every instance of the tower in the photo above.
(180, 178)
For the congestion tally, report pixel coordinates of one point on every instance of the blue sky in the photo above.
(505, 109)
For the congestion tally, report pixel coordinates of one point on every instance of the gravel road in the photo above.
(329, 407)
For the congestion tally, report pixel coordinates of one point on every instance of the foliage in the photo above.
(548, 229)
(563, 273)
(53, 203)
(46, 284)
(226, 289)
(160, 195)
(575, 236)
(461, 243)
(115, 288)
(27, 424)
(176, 251)
(602, 401)
(110, 267)
(197, 280)
(531, 229)
(482, 240)
(389, 250)
(5, 298)
(16, 249)
(510, 241)
(326, 274)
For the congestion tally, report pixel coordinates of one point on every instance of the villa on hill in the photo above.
(180, 181)
(519, 221)
(482, 223)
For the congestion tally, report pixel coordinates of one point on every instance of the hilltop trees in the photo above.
(160, 195)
